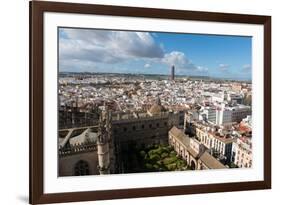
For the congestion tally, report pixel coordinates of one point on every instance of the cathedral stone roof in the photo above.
(84, 137)
(157, 108)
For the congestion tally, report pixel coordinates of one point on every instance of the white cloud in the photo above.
(147, 65)
(181, 62)
(107, 46)
(224, 67)
(175, 58)
(73, 64)
(247, 67)
(202, 69)
(86, 48)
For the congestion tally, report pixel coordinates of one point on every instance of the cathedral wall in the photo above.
(127, 133)
(141, 132)
(67, 163)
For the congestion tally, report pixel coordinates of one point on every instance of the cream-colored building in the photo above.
(243, 152)
(214, 140)
(191, 150)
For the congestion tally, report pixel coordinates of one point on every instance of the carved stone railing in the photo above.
(77, 149)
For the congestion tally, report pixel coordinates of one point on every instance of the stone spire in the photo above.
(104, 132)
(156, 108)
(158, 101)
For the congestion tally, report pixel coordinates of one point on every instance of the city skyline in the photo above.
(118, 124)
(106, 51)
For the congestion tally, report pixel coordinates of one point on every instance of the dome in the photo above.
(157, 108)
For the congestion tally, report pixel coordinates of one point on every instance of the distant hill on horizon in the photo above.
(166, 76)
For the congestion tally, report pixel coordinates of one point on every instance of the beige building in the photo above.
(191, 150)
(212, 137)
(214, 140)
(243, 152)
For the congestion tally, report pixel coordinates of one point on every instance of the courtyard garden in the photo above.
(156, 158)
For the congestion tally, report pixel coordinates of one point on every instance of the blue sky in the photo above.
(93, 50)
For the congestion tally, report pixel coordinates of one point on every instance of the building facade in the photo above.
(243, 152)
(114, 135)
(211, 136)
(193, 151)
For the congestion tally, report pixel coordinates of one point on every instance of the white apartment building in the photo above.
(225, 115)
(213, 140)
(217, 97)
(212, 115)
(239, 112)
(243, 152)
(232, 97)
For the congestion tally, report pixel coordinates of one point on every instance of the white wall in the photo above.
(14, 100)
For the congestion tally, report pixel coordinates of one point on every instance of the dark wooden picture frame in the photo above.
(37, 9)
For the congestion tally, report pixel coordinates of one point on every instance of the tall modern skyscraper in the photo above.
(173, 72)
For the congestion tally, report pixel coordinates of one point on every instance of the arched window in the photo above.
(81, 168)
(192, 166)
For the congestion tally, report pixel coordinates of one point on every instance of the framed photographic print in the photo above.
(138, 102)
